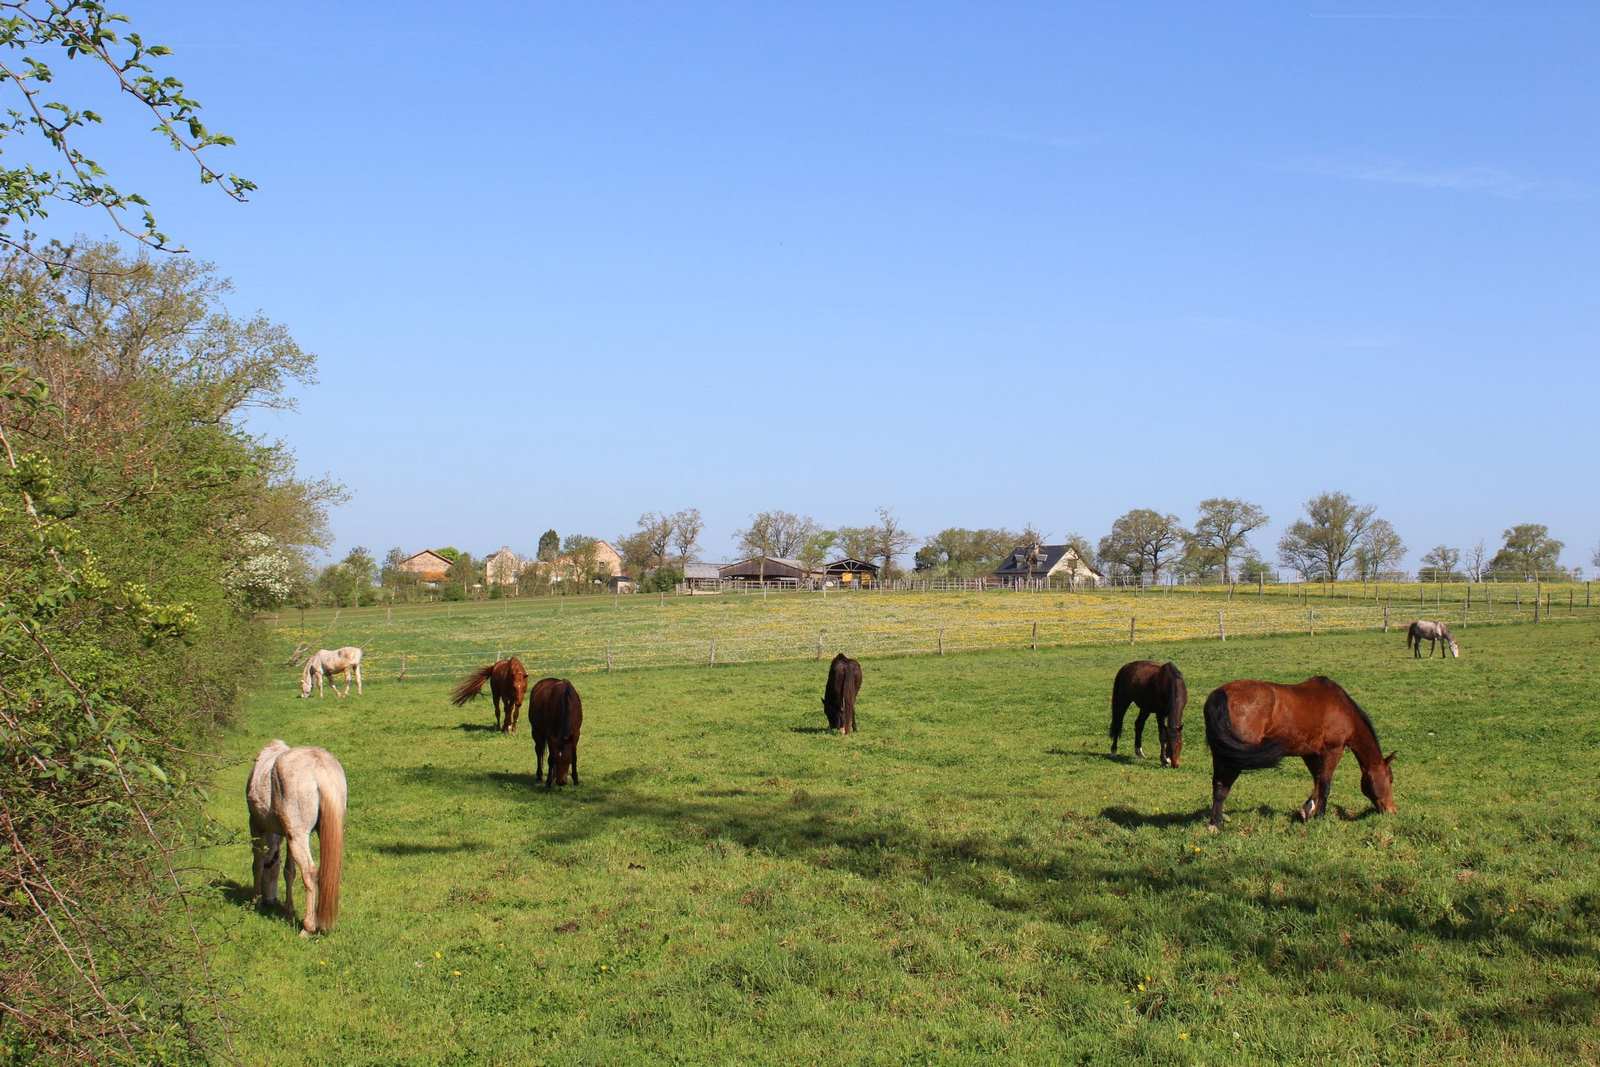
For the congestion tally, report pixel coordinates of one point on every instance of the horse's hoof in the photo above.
(1138, 753)
(1213, 828)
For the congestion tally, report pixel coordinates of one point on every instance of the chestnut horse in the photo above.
(839, 696)
(1250, 725)
(507, 683)
(1159, 690)
(555, 717)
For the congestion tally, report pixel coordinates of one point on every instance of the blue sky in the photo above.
(985, 264)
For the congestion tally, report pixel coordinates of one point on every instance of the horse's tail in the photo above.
(471, 686)
(1226, 746)
(330, 833)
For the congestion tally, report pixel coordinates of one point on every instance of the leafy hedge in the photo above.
(131, 502)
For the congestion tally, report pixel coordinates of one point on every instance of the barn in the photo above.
(427, 565)
(773, 570)
(849, 573)
(702, 576)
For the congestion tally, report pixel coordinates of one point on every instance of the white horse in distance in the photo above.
(325, 664)
(292, 791)
(1433, 633)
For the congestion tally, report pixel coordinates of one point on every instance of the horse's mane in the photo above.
(1359, 710)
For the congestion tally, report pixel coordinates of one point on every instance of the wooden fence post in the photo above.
(1131, 620)
(1311, 623)
(1222, 633)
(402, 675)
(819, 644)
(608, 657)
(1034, 643)
(1570, 593)
(941, 640)
(1385, 616)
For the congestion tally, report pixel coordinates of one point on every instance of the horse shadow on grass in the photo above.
(477, 728)
(414, 848)
(824, 827)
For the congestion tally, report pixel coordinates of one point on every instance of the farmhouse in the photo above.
(1035, 561)
(772, 569)
(502, 567)
(427, 565)
(850, 573)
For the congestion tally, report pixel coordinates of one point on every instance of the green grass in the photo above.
(579, 634)
(970, 876)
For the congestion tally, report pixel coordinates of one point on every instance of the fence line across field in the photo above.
(920, 638)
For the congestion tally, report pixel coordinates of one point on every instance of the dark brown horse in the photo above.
(1250, 725)
(1159, 690)
(555, 716)
(839, 697)
(507, 683)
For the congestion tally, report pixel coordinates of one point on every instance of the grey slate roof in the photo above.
(705, 571)
(1016, 565)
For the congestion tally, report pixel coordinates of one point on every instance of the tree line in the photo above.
(1334, 538)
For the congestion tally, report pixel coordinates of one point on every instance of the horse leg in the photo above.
(538, 758)
(1222, 779)
(575, 764)
(300, 853)
(494, 698)
(288, 880)
(1116, 724)
(1313, 805)
(359, 690)
(1138, 732)
(1330, 760)
(1165, 736)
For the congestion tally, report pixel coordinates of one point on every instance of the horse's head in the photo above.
(1455, 649)
(1377, 782)
(561, 755)
(1172, 747)
(305, 684)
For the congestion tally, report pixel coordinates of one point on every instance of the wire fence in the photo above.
(465, 640)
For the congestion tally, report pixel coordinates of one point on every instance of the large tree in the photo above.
(1221, 530)
(1379, 551)
(1142, 542)
(890, 540)
(1321, 544)
(656, 530)
(686, 527)
(963, 553)
(1529, 550)
(1439, 563)
(549, 546)
(778, 534)
(1477, 560)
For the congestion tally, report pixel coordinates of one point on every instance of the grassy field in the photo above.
(970, 876)
(576, 634)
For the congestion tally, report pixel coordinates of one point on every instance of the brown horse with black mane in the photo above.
(1159, 690)
(508, 681)
(555, 718)
(1250, 725)
(839, 695)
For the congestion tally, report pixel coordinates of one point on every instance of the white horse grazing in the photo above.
(292, 791)
(1433, 633)
(326, 664)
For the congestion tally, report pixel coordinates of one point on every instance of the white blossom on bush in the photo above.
(261, 577)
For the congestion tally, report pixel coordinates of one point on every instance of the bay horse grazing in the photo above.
(1433, 633)
(326, 664)
(291, 792)
(508, 681)
(555, 717)
(839, 696)
(1250, 725)
(1159, 690)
